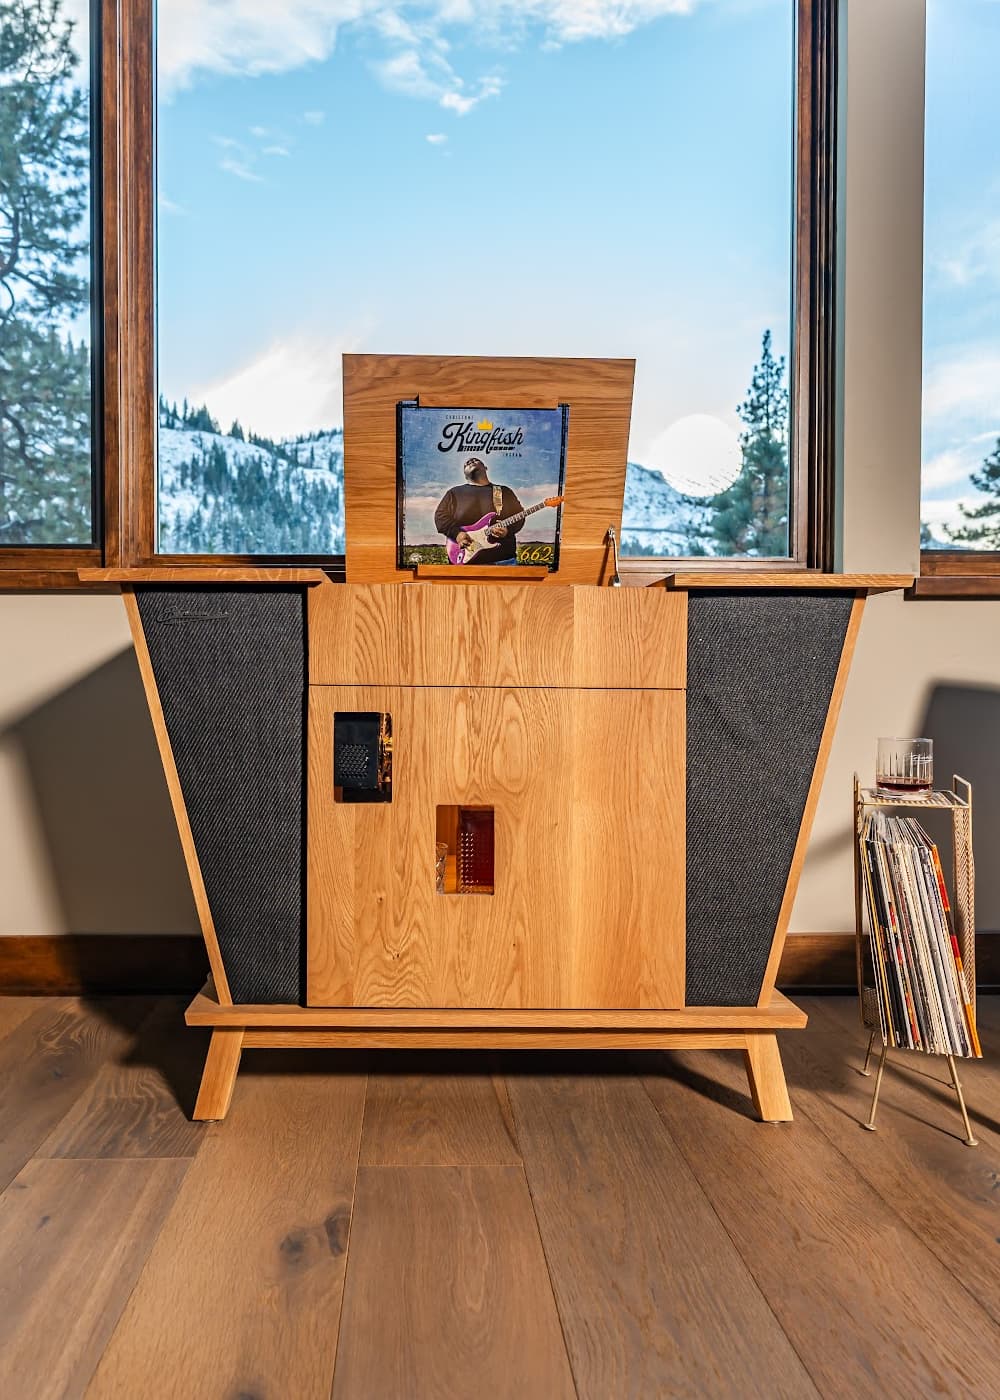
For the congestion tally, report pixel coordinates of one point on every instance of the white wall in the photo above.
(87, 842)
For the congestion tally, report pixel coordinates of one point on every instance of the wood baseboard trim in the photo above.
(105, 964)
(101, 964)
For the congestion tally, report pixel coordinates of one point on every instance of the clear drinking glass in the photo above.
(904, 767)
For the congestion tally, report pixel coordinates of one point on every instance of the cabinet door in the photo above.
(587, 905)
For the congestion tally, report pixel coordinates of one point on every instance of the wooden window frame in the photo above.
(812, 373)
(124, 180)
(957, 573)
(35, 567)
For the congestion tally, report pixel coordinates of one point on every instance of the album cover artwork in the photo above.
(480, 485)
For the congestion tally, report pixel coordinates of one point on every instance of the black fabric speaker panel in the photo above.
(230, 667)
(761, 670)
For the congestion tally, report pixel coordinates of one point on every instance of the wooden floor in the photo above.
(536, 1226)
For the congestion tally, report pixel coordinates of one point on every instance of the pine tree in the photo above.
(751, 516)
(45, 387)
(236, 431)
(983, 529)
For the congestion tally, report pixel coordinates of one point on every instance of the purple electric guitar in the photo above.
(482, 546)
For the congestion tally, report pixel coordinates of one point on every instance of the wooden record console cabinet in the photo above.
(592, 803)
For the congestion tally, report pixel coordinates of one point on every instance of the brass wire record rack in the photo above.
(916, 947)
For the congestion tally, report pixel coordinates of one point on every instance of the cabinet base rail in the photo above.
(749, 1029)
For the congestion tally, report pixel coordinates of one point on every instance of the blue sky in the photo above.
(961, 414)
(471, 176)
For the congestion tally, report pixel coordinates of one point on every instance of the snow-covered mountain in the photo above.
(221, 494)
(656, 519)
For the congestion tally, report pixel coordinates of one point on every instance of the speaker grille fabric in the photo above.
(761, 670)
(230, 667)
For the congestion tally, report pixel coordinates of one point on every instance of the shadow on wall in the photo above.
(104, 808)
(964, 722)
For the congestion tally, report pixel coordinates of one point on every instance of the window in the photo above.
(960, 484)
(504, 179)
(47, 496)
(192, 234)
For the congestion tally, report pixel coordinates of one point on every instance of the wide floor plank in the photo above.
(241, 1295)
(653, 1295)
(140, 1106)
(438, 1110)
(73, 1238)
(49, 1061)
(447, 1292)
(916, 1159)
(14, 1010)
(861, 1298)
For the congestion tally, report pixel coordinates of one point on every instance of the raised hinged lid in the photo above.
(599, 396)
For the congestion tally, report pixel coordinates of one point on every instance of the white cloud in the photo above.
(462, 103)
(431, 77)
(405, 73)
(945, 469)
(314, 118)
(941, 514)
(436, 138)
(965, 388)
(233, 165)
(974, 258)
(294, 386)
(275, 151)
(258, 36)
(168, 206)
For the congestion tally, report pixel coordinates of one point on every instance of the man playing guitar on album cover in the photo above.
(466, 505)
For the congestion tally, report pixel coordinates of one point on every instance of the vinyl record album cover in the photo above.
(480, 485)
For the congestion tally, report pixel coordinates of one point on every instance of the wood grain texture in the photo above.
(766, 1078)
(812, 800)
(381, 634)
(654, 1298)
(445, 1039)
(862, 1281)
(781, 1014)
(42, 580)
(137, 1105)
(560, 768)
(208, 574)
(177, 803)
(916, 1161)
(47, 1062)
(482, 573)
(14, 1010)
(447, 1291)
(437, 1111)
(242, 1291)
(219, 1078)
(967, 586)
(73, 1238)
(797, 580)
(599, 393)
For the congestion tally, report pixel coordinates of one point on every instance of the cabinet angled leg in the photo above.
(219, 1077)
(767, 1078)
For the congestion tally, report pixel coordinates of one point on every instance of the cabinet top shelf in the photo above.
(799, 580)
